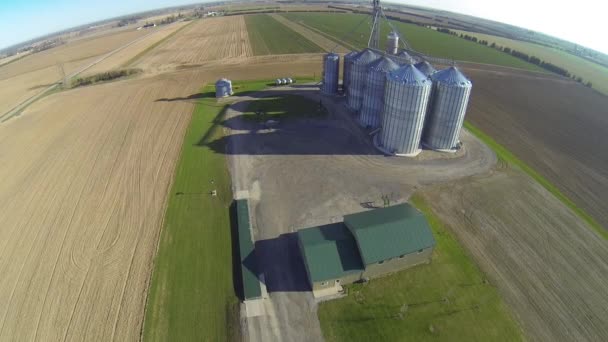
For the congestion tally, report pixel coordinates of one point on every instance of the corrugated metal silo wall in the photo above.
(446, 116)
(348, 59)
(403, 116)
(357, 78)
(221, 90)
(331, 73)
(373, 99)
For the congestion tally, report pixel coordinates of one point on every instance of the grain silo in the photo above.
(406, 57)
(392, 43)
(348, 62)
(373, 93)
(223, 88)
(331, 73)
(406, 99)
(448, 107)
(358, 76)
(425, 68)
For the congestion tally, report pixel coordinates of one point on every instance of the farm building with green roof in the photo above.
(366, 245)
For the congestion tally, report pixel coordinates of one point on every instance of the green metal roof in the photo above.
(389, 232)
(251, 284)
(330, 251)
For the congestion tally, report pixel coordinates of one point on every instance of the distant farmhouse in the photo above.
(366, 245)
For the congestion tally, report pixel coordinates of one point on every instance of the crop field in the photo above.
(556, 126)
(449, 297)
(322, 41)
(28, 76)
(205, 40)
(83, 187)
(123, 57)
(589, 71)
(338, 26)
(270, 37)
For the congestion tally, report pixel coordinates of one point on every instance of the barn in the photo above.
(365, 245)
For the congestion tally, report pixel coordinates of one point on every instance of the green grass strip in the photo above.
(506, 156)
(448, 299)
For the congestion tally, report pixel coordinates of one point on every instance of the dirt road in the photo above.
(325, 43)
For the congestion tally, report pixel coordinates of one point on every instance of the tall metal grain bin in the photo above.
(373, 93)
(406, 99)
(357, 78)
(425, 68)
(406, 57)
(348, 62)
(223, 88)
(331, 73)
(451, 93)
(392, 43)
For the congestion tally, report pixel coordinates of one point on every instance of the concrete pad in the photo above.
(331, 291)
(254, 308)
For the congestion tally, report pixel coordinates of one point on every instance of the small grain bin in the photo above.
(358, 76)
(223, 88)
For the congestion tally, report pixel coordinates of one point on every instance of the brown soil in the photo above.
(548, 265)
(555, 125)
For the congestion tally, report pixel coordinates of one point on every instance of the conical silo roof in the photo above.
(406, 56)
(365, 57)
(408, 74)
(384, 64)
(426, 68)
(452, 77)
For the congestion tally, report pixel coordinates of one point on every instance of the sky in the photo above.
(581, 21)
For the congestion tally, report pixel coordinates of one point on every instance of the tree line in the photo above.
(521, 55)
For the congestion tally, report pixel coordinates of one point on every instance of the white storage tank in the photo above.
(451, 92)
(357, 78)
(373, 94)
(425, 68)
(406, 98)
(284, 81)
(223, 88)
(392, 43)
(289, 80)
(331, 73)
(348, 62)
(278, 81)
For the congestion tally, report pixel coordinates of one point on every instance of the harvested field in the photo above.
(548, 265)
(203, 41)
(28, 76)
(555, 125)
(83, 186)
(122, 57)
(320, 40)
